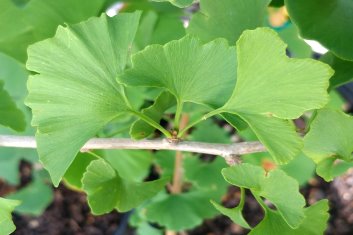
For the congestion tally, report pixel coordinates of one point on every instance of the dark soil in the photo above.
(69, 214)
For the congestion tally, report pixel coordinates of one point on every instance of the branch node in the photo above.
(232, 159)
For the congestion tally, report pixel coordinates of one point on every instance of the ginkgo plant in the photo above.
(139, 74)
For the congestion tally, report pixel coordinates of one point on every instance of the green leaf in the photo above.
(288, 88)
(330, 168)
(182, 211)
(343, 69)
(302, 168)
(235, 214)
(206, 175)
(208, 131)
(147, 229)
(38, 20)
(227, 18)
(192, 72)
(106, 190)
(75, 93)
(329, 22)
(327, 142)
(278, 135)
(10, 161)
(261, 49)
(140, 129)
(328, 139)
(35, 198)
(74, 174)
(15, 77)
(10, 115)
(288, 201)
(6, 207)
(336, 102)
(133, 165)
(297, 47)
(315, 222)
(178, 3)
(277, 3)
(159, 28)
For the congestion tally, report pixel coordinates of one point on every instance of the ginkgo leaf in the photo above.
(209, 132)
(132, 165)
(343, 69)
(280, 189)
(329, 22)
(297, 47)
(227, 18)
(106, 190)
(75, 93)
(10, 115)
(330, 138)
(235, 214)
(264, 68)
(315, 222)
(178, 3)
(140, 129)
(6, 208)
(191, 71)
(74, 174)
(270, 87)
(35, 197)
(159, 28)
(182, 211)
(38, 20)
(278, 135)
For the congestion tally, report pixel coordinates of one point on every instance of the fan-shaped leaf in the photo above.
(227, 18)
(191, 71)
(6, 207)
(75, 93)
(271, 87)
(315, 222)
(106, 190)
(330, 138)
(276, 186)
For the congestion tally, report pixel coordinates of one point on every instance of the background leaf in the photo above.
(38, 19)
(106, 190)
(227, 18)
(6, 207)
(330, 138)
(328, 22)
(133, 165)
(35, 197)
(140, 129)
(10, 115)
(343, 69)
(182, 211)
(178, 3)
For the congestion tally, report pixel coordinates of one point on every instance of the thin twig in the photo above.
(223, 150)
(178, 165)
(177, 185)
